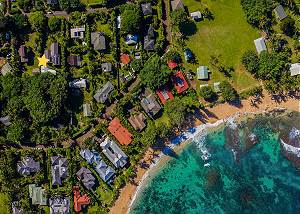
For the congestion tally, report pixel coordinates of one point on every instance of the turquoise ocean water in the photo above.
(240, 168)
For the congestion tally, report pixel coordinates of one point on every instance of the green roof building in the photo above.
(37, 195)
(202, 73)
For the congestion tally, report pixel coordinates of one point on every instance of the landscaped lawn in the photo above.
(91, 1)
(4, 207)
(228, 35)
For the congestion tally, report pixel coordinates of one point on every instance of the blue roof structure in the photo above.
(131, 39)
(188, 55)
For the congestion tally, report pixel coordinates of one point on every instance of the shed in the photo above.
(196, 15)
(87, 110)
(146, 8)
(260, 45)
(131, 39)
(280, 13)
(177, 5)
(295, 69)
(202, 73)
(106, 67)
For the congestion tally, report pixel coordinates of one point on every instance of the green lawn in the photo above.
(228, 35)
(4, 201)
(87, 2)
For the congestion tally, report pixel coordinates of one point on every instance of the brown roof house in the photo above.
(23, 53)
(150, 104)
(138, 121)
(98, 41)
(177, 5)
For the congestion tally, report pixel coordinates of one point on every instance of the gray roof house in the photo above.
(37, 195)
(93, 158)
(106, 67)
(113, 152)
(78, 83)
(102, 94)
(177, 5)
(150, 105)
(78, 32)
(27, 166)
(295, 69)
(59, 205)
(106, 172)
(148, 43)
(280, 13)
(202, 73)
(6, 69)
(87, 110)
(5, 120)
(59, 169)
(146, 8)
(52, 54)
(98, 41)
(260, 45)
(86, 176)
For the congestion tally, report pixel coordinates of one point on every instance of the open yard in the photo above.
(227, 36)
(4, 203)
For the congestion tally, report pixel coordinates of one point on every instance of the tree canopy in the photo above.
(250, 61)
(131, 19)
(38, 21)
(207, 92)
(155, 74)
(179, 19)
(229, 94)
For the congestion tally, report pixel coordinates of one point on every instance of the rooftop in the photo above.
(103, 93)
(80, 201)
(164, 94)
(86, 176)
(98, 41)
(177, 5)
(280, 13)
(37, 195)
(295, 69)
(179, 82)
(59, 205)
(27, 165)
(150, 105)
(138, 121)
(125, 59)
(59, 169)
(172, 64)
(146, 8)
(202, 73)
(260, 45)
(120, 132)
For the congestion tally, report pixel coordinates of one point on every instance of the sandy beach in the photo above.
(211, 115)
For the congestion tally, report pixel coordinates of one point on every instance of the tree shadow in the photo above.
(237, 103)
(169, 152)
(189, 28)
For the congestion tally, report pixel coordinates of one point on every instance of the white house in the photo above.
(295, 69)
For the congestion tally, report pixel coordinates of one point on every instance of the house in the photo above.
(45, 69)
(188, 55)
(280, 13)
(179, 82)
(125, 59)
(59, 205)
(151, 32)
(78, 83)
(120, 132)
(295, 69)
(150, 105)
(93, 158)
(74, 61)
(80, 201)
(102, 94)
(106, 67)
(202, 73)
(27, 166)
(98, 41)
(37, 195)
(172, 64)
(113, 152)
(59, 169)
(90, 156)
(196, 15)
(78, 32)
(23, 53)
(177, 5)
(217, 86)
(87, 110)
(260, 45)
(138, 121)
(86, 177)
(149, 43)
(164, 94)
(52, 2)
(6, 68)
(5, 120)
(52, 54)
(131, 39)
(105, 172)
(146, 9)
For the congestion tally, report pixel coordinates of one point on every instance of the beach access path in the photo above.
(210, 115)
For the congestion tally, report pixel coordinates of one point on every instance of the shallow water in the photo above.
(246, 171)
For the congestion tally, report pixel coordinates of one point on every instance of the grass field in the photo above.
(4, 201)
(87, 2)
(228, 35)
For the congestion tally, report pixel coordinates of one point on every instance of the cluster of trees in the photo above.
(67, 5)
(32, 104)
(272, 68)
(131, 19)
(155, 73)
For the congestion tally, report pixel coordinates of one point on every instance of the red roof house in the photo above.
(164, 94)
(79, 201)
(122, 134)
(125, 59)
(179, 82)
(172, 64)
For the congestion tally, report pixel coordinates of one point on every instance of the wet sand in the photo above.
(210, 115)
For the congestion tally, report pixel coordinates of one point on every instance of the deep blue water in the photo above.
(246, 174)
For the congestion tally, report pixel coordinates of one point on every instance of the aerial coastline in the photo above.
(221, 112)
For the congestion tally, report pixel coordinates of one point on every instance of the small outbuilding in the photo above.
(177, 5)
(260, 45)
(280, 13)
(106, 67)
(295, 69)
(6, 69)
(196, 15)
(87, 110)
(146, 8)
(202, 73)
(98, 41)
